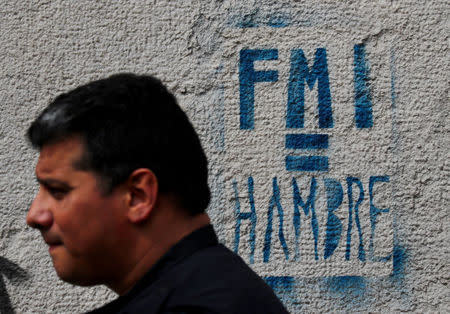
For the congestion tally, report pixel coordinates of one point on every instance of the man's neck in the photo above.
(161, 236)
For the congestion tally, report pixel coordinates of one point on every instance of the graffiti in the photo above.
(284, 287)
(300, 75)
(363, 102)
(255, 18)
(247, 79)
(349, 291)
(305, 197)
(309, 172)
(13, 273)
(334, 196)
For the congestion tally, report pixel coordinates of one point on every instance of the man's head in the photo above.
(128, 122)
(81, 226)
(122, 177)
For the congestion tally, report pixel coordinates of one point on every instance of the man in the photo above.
(122, 199)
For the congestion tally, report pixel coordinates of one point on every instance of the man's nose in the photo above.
(39, 215)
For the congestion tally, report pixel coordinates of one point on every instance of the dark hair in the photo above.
(130, 121)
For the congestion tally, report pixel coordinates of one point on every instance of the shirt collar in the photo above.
(197, 240)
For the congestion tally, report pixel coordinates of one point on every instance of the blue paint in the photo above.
(306, 141)
(306, 163)
(361, 251)
(219, 120)
(246, 21)
(399, 269)
(243, 216)
(395, 132)
(283, 286)
(274, 201)
(363, 102)
(219, 69)
(399, 252)
(353, 287)
(283, 283)
(255, 19)
(298, 202)
(393, 78)
(278, 21)
(247, 79)
(300, 73)
(374, 212)
(398, 263)
(334, 225)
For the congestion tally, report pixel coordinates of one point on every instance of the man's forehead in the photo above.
(61, 154)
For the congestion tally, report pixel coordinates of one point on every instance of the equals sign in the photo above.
(306, 142)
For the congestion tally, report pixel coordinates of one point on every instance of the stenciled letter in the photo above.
(374, 212)
(298, 202)
(363, 102)
(361, 252)
(247, 79)
(296, 90)
(274, 201)
(334, 224)
(242, 216)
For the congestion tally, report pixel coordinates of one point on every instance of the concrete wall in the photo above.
(326, 124)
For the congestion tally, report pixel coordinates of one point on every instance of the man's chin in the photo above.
(70, 272)
(75, 278)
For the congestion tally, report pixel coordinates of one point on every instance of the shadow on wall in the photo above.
(14, 274)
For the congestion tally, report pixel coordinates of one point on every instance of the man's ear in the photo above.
(143, 190)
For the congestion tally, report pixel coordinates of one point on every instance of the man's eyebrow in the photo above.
(53, 182)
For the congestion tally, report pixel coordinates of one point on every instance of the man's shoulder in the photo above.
(215, 280)
(199, 275)
(217, 263)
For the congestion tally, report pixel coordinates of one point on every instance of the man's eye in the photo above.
(57, 193)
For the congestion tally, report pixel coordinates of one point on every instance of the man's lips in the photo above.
(52, 243)
(53, 246)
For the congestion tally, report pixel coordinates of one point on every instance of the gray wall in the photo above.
(345, 209)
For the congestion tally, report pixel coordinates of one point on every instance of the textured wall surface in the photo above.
(326, 125)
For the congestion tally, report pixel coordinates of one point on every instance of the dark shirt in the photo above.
(198, 275)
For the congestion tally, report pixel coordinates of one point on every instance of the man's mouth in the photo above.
(52, 244)
(52, 247)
